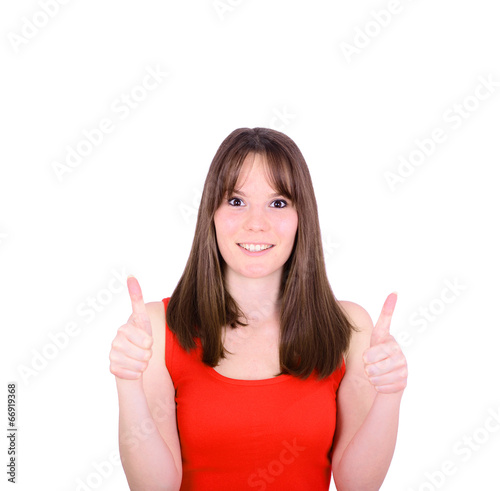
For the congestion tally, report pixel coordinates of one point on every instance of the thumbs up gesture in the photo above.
(385, 363)
(131, 348)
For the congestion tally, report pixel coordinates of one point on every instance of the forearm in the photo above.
(146, 458)
(366, 459)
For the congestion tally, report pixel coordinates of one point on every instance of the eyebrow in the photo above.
(275, 195)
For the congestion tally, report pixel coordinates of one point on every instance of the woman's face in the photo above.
(255, 226)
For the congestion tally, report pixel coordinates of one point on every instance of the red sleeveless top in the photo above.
(273, 434)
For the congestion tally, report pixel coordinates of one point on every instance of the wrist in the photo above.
(394, 398)
(125, 386)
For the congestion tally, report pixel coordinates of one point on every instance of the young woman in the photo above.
(252, 375)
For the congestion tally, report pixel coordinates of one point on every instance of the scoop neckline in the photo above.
(238, 381)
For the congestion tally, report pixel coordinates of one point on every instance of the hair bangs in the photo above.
(278, 170)
(231, 173)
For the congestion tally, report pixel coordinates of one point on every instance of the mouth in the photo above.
(256, 247)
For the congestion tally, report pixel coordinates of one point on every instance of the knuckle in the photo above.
(395, 347)
(387, 348)
(148, 341)
(124, 328)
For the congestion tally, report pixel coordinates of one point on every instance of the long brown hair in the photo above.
(314, 330)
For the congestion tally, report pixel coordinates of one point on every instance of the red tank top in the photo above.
(274, 434)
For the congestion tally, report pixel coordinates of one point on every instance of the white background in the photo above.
(129, 206)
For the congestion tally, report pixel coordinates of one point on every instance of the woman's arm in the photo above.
(368, 405)
(147, 459)
(148, 438)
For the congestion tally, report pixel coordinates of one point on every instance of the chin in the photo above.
(254, 274)
(257, 273)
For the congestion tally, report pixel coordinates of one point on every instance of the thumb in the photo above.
(382, 327)
(139, 312)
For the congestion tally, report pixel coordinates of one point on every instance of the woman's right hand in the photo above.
(131, 349)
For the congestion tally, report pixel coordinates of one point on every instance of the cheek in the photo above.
(288, 227)
(225, 226)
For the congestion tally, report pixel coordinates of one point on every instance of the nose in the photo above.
(256, 219)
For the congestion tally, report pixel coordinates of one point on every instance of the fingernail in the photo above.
(130, 276)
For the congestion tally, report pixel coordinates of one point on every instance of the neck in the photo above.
(256, 297)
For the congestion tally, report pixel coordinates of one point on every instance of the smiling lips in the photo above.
(256, 247)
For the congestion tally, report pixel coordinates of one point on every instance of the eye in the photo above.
(235, 201)
(281, 203)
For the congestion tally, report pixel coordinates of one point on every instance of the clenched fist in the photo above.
(131, 348)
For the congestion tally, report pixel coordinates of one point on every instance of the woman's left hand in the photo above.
(385, 363)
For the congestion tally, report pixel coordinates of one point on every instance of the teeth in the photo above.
(255, 248)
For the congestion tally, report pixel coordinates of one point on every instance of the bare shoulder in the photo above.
(354, 310)
(156, 311)
(359, 318)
